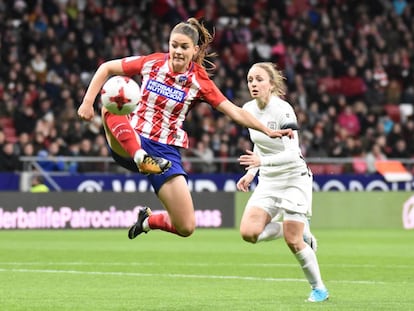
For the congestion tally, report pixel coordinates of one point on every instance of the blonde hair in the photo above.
(276, 77)
(200, 36)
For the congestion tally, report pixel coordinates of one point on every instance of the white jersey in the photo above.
(285, 181)
(280, 156)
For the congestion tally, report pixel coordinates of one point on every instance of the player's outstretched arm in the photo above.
(104, 71)
(245, 118)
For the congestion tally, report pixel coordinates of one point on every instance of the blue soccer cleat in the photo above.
(318, 295)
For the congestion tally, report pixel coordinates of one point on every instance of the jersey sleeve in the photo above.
(132, 65)
(288, 119)
(289, 154)
(210, 93)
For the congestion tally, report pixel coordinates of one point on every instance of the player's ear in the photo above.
(196, 49)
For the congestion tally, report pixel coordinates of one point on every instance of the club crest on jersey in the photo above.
(272, 125)
(165, 90)
(181, 79)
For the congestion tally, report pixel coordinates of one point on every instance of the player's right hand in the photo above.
(86, 112)
(250, 160)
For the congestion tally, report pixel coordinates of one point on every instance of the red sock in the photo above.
(161, 221)
(123, 132)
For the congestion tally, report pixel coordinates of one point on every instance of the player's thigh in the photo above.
(254, 220)
(293, 226)
(112, 142)
(176, 198)
(259, 210)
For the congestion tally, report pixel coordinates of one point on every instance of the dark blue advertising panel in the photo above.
(9, 181)
(199, 183)
(351, 182)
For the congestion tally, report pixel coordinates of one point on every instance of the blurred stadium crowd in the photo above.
(349, 68)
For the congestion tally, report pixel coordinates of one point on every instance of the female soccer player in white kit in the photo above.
(285, 181)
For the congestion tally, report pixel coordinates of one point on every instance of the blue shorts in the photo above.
(157, 149)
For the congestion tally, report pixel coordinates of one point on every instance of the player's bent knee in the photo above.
(295, 244)
(250, 239)
(185, 231)
(248, 235)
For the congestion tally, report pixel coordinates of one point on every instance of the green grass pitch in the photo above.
(211, 270)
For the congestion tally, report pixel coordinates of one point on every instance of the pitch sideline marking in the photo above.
(186, 276)
(83, 263)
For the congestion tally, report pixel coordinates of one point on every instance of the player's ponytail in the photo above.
(201, 37)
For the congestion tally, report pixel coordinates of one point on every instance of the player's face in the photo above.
(182, 51)
(259, 85)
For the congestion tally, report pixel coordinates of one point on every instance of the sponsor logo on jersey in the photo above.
(165, 90)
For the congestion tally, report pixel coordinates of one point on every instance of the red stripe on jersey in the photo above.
(166, 97)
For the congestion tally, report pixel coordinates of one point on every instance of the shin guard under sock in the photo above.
(309, 263)
(123, 132)
(161, 221)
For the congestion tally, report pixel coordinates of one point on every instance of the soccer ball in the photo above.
(120, 95)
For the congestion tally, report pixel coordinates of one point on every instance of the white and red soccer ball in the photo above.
(120, 95)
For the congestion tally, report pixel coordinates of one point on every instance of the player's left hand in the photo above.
(250, 159)
(244, 182)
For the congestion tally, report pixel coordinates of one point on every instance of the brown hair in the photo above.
(276, 77)
(200, 36)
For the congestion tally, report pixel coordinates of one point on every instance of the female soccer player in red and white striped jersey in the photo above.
(148, 140)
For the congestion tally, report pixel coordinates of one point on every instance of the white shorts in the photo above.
(283, 196)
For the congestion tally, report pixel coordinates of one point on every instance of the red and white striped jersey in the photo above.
(167, 97)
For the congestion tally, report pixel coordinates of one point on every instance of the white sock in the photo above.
(272, 231)
(145, 225)
(309, 263)
(139, 156)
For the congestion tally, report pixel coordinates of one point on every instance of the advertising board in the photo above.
(71, 210)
